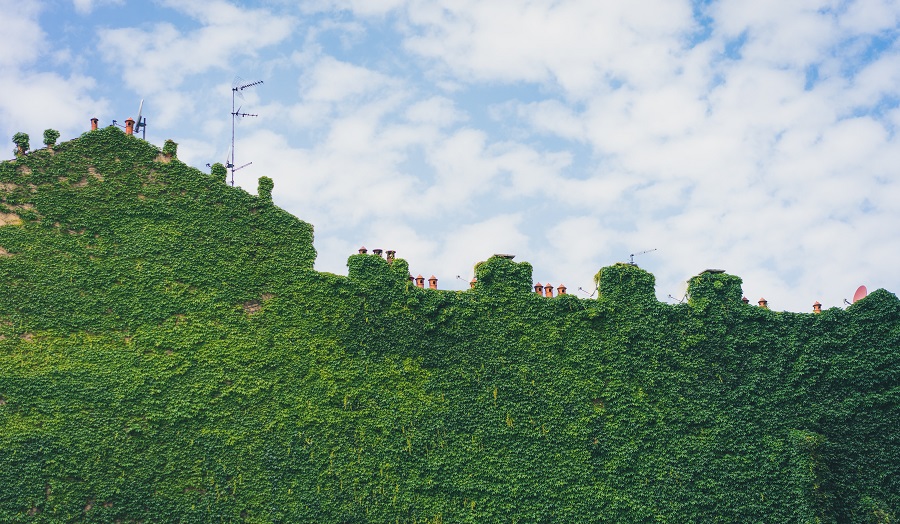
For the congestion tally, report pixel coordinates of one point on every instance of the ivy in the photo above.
(50, 137)
(168, 353)
(21, 140)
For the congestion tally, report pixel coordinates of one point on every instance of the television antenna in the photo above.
(237, 88)
(586, 293)
(631, 261)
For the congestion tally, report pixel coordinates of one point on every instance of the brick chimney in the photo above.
(745, 300)
(472, 282)
(764, 303)
(94, 122)
(377, 252)
(561, 290)
(363, 250)
(548, 290)
(817, 307)
(432, 282)
(390, 255)
(129, 126)
(420, 281)
(539, 288)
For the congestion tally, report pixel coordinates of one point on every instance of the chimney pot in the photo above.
(390, 255)
(817, 307)
(363, 250)
(764, 303)
(539, 288)
(472, 282)
(745, 300)
(129, 126)
(377, 252)
(548, 290)
(561, 290)
(420, 281)
(432, 282)
(94, 122)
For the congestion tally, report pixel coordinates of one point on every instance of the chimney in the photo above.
(94, 122)
(539, 288)
(745, 300)
(817, 308)
(432, 282)
(548, 290)
(472, 283)
(363, 250)
(377, 252)
(390, 255)
(764, 303)
(129, 126)
(420, 281)
(561, 290)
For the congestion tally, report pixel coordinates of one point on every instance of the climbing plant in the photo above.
(50, 137)
(21, 140)
(168, 354)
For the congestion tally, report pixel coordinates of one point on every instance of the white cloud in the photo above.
(85, 7)
(162, 57)
(22, 38)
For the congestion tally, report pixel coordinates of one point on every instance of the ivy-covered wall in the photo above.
(167, 354)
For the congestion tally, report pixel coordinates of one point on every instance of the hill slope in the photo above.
(167, 354)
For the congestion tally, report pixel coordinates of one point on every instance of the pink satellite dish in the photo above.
(861, 293)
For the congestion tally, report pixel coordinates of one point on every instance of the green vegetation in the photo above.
(50, 137)
(22, 142)
(168, 354)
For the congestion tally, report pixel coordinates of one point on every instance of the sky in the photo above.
(755, 137)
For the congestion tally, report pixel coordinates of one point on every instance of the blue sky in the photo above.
(756, 137)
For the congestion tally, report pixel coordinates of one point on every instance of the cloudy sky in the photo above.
(757, 137)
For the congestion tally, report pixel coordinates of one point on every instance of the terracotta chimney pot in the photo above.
(432, 282)
(472, 282)
(390, 255)
(745, 300)
(420, 281)
(377, 252)
(363, 250)
(764, 303)
(561, 290)
(129, 126)
(817, 307)
(548, 290)
(539, 288)
(94, 122)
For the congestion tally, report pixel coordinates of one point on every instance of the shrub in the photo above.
(22, 143)
(50, 136)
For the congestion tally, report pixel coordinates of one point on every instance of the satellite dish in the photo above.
(861, 293)
(141, 124)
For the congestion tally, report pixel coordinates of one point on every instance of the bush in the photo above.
(50, 136)
(22, 143)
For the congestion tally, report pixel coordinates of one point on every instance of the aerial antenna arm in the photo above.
(631, 261)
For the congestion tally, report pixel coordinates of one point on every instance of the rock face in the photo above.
(167, 353)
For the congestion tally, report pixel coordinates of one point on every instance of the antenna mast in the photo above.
(236, 88)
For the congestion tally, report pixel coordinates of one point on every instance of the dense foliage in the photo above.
(50, 137)
(168, 354)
